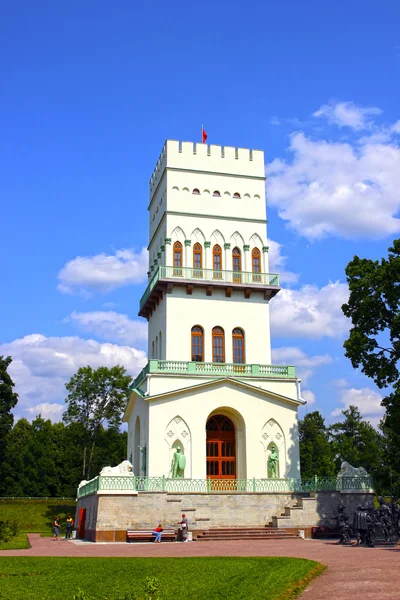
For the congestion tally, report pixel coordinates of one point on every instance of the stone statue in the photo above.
(342, 521)
(144, 462)
(178, 463)
(360, 525)
(346, 470)
(124, 468)
(273, 463)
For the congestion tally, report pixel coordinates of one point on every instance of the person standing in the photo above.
(158, 532)
(68, 527)
(184, 527)
(56, 527)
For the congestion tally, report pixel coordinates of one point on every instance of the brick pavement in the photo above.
(355, 573)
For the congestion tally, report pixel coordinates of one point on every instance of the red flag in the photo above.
(204, 136)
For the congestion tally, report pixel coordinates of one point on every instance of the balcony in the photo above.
(177, 367)
(165, 278)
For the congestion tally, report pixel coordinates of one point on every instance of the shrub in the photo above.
(8, 530)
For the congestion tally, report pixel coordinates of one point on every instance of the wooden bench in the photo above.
(324, 532)
(146, 535)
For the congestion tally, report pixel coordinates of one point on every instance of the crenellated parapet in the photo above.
(221, 160)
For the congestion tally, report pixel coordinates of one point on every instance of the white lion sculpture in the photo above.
(125, 468)
(346, 470)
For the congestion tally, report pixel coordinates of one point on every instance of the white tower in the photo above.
(209, 387)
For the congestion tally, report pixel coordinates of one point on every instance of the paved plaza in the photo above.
(355, 573)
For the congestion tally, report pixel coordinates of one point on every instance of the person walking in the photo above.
(184, 527)
(158, 532)
(68, 527)
(56, 528)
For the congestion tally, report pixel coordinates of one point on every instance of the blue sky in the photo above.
(89, 93)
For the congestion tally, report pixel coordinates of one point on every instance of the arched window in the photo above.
(152, 349)
(236, 195)
(196, 191)
(238, 346)
(256, 264)
(218, 345)
(197, 260)
(177, 258)
(217, 262)
(160, 349)
(236, 265)
(197, 344)
(217, 193)
(156, 346)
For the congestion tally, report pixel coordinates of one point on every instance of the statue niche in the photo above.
(177, 436)
(178, 462)
(273, 462)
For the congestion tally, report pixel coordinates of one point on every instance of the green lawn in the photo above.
(36, 516)
(19, 542)
(220, 578)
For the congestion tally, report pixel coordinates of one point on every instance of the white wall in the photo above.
(141, 410)
(159, 384)
(249, 411)
(251, 315)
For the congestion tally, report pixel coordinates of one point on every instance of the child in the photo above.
(56, 526)
(157, 532)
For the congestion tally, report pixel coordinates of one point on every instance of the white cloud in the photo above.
(42, 365)
(348, 114)
(395, 128)
(274, 120)
(368, 402)
(305, 365)
(310, 312)
(341, 383)
(339, 189)
(103, 272)
(47, 410)
(308, 396)
(277, 263)
(111, 326)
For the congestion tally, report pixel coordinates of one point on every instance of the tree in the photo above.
(356, 441)
(374, 340)
(316, 456)
(96, 397)
(8, 400)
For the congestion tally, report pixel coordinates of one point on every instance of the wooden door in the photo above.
(221, 448)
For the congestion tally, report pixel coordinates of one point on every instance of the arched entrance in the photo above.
(221, 448)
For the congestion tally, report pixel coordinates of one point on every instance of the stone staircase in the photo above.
(297, 515)
(244, 533)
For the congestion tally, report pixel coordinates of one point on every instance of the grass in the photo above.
(36, 516)
(221, 578)
(19, 542)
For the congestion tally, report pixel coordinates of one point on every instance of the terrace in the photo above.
(165, 278)
(190, 368)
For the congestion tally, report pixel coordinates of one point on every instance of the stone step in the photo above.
(244, 529)
(247, 534)
(281, 536)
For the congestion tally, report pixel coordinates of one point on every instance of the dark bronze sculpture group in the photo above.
(370, 527)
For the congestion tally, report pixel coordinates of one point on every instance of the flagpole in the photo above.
(202, 126)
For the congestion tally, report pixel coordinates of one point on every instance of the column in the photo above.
(207, 260)
(168, 253)
(227, 266)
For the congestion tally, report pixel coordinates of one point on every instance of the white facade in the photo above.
(208, 277)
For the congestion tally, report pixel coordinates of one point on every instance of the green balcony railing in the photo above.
(179, 367)
(214, 486)
(211, 275)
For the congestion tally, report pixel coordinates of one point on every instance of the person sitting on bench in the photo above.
(158, 532)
